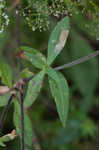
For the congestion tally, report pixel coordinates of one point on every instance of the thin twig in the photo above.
(5, 110)
(17, 37)
(22, 119)
(78, 61)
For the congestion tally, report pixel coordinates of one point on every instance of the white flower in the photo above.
(1, 6)
(1, 30)
(6, 17)
(33, 28)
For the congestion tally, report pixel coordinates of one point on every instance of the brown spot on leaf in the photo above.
(21, 55)
(38, 54)
(33, 82)
(62, 40)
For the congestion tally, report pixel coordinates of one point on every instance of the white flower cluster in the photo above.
(4, 19)
(58, 8)
(36, 15)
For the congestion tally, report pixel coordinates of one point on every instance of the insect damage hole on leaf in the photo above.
(62, 40)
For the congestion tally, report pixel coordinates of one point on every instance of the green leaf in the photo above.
(33, 89)
(4, 99)
(34, 56)
(60, 92)
(88, 127)
(2, 144)
(27, 123)
(3, 41)
(58, 39)
(26, 73)
(7, 138)
(6, 74)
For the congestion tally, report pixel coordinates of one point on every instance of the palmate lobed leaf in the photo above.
(34, 56)
(5, 74)
(28, 134)
(60, 92)
(58, 39)
(33, 90)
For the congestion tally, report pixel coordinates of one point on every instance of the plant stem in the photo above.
(5, 110)
(17, 38)
(78, 61)
(22, 119)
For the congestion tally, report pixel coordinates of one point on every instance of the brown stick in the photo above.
(78, 61)
(22, 119)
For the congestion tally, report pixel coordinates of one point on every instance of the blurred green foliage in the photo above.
(82, 128)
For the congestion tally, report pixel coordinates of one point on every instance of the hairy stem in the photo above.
(78, 61)
(22, 120)
(17, 38)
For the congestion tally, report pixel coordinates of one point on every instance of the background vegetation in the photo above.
(30, 23)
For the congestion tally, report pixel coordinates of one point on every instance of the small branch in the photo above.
(17, 34)
(4, 113)
(22, 118)
(17, 23)
(78, 61)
